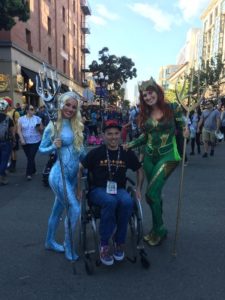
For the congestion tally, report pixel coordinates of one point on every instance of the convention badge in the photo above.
(111, 187)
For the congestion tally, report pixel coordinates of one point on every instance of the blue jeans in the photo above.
(30, 151)
(5, 151)
(115, 213)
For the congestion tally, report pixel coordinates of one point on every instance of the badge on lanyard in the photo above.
(111, 187)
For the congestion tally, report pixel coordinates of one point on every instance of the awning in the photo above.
(29, 73)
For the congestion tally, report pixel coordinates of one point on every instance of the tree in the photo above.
(213, 72)
(118, 69)
(12, 9)
(126, 104)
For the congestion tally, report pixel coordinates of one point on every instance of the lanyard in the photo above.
(109, 163)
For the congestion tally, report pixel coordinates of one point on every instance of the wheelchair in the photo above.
(89, 237)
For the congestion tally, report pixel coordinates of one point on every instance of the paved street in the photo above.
(198, 272)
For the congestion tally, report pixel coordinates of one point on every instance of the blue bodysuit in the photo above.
(70, 158)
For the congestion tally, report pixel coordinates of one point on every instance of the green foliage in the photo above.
(10, 9)
(126, 104)
(170, 95)
(118, 69)
(213, 71)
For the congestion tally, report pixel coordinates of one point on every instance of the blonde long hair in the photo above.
(76, 120)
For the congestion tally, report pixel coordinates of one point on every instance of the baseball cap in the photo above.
(111, 124)
(8, 99)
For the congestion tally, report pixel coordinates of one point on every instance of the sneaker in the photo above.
(212, 153)
(29, 177)
(105, 256)
(118, 252)
(192, 153)
(205, 155)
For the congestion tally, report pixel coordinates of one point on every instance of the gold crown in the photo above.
(146, 84)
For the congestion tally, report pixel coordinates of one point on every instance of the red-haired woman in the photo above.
(158, 121)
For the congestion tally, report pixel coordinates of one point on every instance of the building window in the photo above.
(49, 26)
(28, 39)
(211, 19)
(74, 72)
(74, 6)
(63, 14)
(74, 54)
(50, 55)
(216, 11)
(74, 29)
(64, 42)
(28, 36)
(64, 66)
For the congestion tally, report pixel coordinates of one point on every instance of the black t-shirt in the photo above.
(97, 164)
(6, 133)
(2, 118)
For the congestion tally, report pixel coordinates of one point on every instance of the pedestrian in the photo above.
(210, 120)
(222, 117)
(6, 140)
(69, 141)
(194, 135)
(158, 121)
(29, 130)
(14, 115)
(42, 113)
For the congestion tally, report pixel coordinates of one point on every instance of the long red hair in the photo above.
(145, 110)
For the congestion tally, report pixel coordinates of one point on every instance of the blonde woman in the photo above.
(70, 142)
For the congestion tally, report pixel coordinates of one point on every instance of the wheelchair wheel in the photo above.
(136, 229)
(144, 259)
(88, 265)
(95, 236)
(136, 221)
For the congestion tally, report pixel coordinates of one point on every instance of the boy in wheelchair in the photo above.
(108, 164)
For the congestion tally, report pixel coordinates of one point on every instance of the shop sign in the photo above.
(4, 83)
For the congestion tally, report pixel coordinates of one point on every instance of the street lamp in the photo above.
(101, 89)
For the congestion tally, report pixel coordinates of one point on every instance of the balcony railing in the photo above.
(85, 7)
(85, 49)
(85, 69)
(85, 28)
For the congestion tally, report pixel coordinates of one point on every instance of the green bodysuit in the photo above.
(160, 158)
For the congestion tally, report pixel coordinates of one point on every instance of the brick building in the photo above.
(54, 34)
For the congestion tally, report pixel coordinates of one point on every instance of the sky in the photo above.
(150, 32)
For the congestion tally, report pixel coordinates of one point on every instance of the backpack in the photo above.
(4, 130)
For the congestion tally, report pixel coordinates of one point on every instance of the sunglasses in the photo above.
(31, 108)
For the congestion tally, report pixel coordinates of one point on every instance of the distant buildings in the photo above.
(213, 19)
(54, 34)
(165, 73)
(190, 51)
(201, 44)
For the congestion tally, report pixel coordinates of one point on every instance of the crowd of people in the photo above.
(154, 126)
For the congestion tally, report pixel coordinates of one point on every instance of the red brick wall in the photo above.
(41, 40)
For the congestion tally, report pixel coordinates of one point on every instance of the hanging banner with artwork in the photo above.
(19, 83)
(4, 83)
